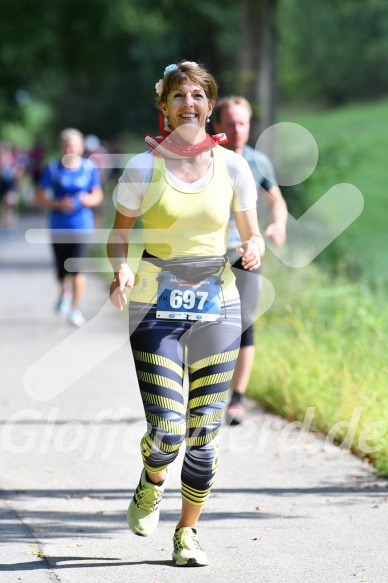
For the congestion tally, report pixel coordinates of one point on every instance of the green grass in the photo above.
(323, 342)
(322, 345)
(358, 139)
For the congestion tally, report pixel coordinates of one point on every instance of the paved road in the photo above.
(286, 506)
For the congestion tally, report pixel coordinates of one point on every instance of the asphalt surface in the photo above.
(287, 506)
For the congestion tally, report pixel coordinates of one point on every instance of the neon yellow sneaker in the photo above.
(187, 550)
(143, 511)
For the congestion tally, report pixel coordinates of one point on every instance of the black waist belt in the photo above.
(190, 269)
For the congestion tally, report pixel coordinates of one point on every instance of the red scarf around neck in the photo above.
(165, 146)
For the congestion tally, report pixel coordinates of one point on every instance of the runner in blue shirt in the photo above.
(70, 188)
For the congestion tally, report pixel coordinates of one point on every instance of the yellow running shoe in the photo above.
(187, 550)
(143, 511)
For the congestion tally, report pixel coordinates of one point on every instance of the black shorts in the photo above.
(72, 247)
(6, 185)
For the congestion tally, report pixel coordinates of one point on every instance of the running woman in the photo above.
(184, 309)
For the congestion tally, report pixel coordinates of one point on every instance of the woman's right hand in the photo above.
(124, 278)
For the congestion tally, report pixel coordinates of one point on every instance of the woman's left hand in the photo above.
(251, 252)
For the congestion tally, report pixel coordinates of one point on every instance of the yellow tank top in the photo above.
(184, 224)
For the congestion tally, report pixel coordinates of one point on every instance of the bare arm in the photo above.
(278, 214)
(40, 198)
(92, 198)
(117, 251)
(54, 204)
(252, 247)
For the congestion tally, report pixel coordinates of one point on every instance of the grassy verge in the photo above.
(352, 143)
(322, 343)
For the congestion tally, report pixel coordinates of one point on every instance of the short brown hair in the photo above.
(194, 73)
(226, 102)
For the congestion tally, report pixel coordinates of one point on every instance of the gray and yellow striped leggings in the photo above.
(162, 349)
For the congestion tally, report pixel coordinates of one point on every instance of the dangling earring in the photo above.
(208, 118)
(166, 127)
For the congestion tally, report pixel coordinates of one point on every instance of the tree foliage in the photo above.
(95, 62)
(334, 51)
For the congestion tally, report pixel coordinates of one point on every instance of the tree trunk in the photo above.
(258, 63)
(249, 52)
(267, 79)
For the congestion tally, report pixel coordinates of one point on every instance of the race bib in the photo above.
(180, 300)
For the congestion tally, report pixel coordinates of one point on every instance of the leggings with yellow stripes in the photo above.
(162, 349)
